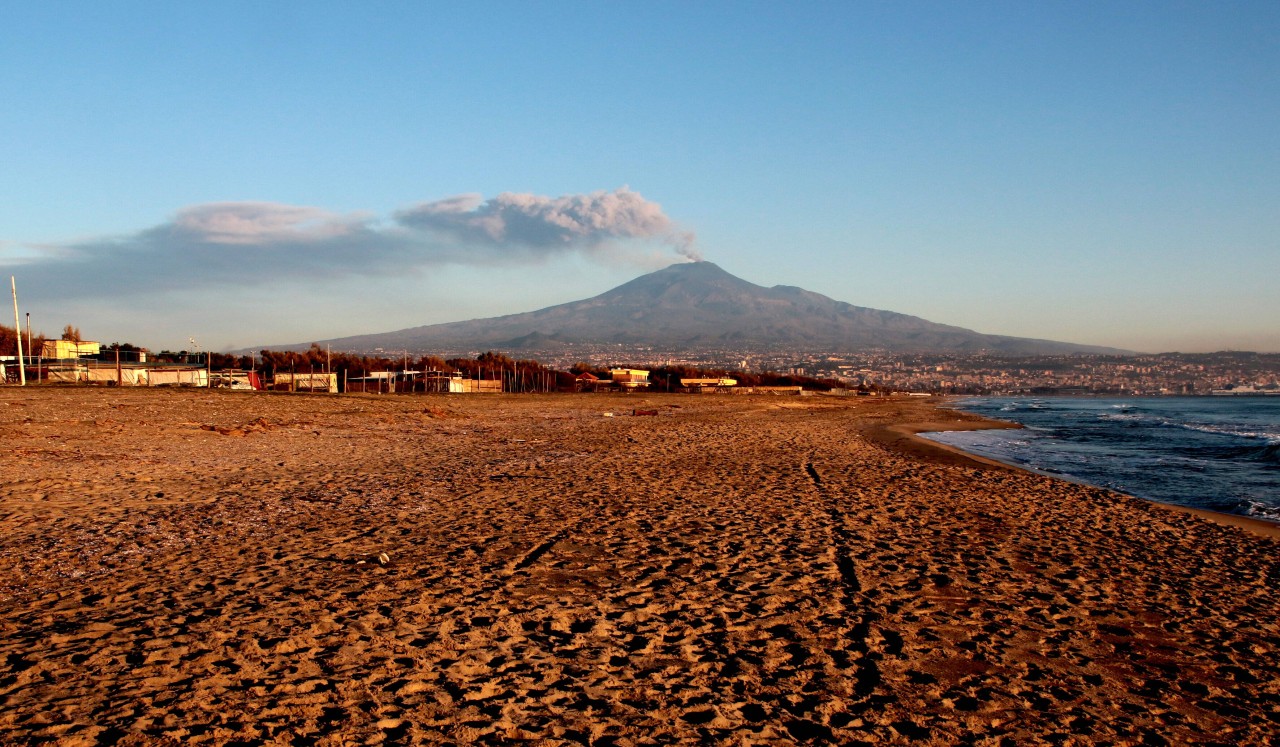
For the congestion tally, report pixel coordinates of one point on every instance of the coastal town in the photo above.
(1163, 374)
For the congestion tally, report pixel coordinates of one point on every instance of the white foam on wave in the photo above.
(1271, 437)
(1268, 435)
(1260, 510)
(1125, 417)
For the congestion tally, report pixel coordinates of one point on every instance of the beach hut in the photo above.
(312, 381)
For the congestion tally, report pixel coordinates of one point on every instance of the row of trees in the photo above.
(9, 341)
(518, 375)
(30, 347)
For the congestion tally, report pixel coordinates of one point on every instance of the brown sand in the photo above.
(206, 567)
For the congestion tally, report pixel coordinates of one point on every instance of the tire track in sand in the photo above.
(867, 676)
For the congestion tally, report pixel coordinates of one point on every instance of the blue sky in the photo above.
(259, 173)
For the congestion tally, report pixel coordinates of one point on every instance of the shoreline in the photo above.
(907, 437)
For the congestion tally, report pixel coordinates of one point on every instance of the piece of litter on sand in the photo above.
(608, 414)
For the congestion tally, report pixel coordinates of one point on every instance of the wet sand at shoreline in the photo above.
(225, 568)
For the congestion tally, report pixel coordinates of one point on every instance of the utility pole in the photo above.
(17, 332)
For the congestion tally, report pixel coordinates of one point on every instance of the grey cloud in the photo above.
(256, 243)
(549, 223)
(213, 245)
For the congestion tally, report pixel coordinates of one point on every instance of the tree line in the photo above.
(31, 347)
(517, 374)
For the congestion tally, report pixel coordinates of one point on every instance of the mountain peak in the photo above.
(682, 285)
(700, 270)
(696, 267)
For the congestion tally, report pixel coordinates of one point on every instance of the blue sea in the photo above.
(1216, 453)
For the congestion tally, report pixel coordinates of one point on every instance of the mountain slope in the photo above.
(696, 306)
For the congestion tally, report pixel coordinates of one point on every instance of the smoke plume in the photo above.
(586, 221)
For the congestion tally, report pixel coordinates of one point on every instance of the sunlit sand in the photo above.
(211, 567)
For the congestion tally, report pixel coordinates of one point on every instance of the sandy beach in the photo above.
(207, 567)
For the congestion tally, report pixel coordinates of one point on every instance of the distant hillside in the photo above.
(698, 306)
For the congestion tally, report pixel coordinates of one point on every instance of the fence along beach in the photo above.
(196, 566)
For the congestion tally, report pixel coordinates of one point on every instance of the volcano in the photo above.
(697, 306)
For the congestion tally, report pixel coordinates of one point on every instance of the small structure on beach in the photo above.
(305, 382)
(481, 386)
(454, 383)
(121, 374)
(442, 382)
(382, 382)
(241, 380)
(431, 382)
(178, 376)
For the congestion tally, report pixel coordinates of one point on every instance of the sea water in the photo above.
(1216, 453)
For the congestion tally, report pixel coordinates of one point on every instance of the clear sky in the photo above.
(265, 172)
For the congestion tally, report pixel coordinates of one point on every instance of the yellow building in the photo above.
(708, 383)
(629, 378)
(64, 349)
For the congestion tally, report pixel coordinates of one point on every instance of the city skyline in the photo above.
(255, 176)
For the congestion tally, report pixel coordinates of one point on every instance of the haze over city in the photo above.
(248, 175)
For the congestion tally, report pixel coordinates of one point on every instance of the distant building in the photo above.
(777, 390)
(66, 349)
(629, 378)
(435, 382)
(589, 382)
(708, 383)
